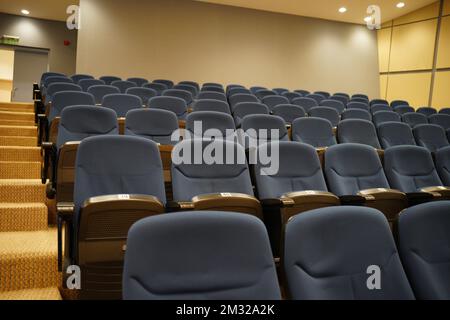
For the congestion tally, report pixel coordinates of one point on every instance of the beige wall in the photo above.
(413, 66)
(6, 74)
(44, 34)
(187, 40)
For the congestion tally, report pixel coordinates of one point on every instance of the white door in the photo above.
(29, 65)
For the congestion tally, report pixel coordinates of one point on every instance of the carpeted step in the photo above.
(23, 217)
(20, 170)
(17, 107)
(8, 115)
(20, 154)
(22, 191)
(26, 123)
(28, 260)
(18, 141)
(18, 131)
(48, 294)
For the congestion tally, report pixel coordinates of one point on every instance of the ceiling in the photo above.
(325, 9)
(43, 9)
(328, 9)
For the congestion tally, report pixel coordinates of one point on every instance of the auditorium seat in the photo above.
(158, 87)
(393, 134)
(212, 89)
(358, 131)
(272, 101)
(144, 93)
(138, 81)
(190, 83)
(193, 90)
(109, 79)
(356, 242)
(380, 107)
(401, 110)
(330, 114)
(430, 136)
(316, 132)
(109, 196)
(427, 111)
(213, 84)
(325, 94)
(423, 235)
(241, 97)
(181, 94)
(358, 105)
(360, 96)
(381, 117)
(397, 103)
(210, 125)
(299, 184)
(445, 111)
(280, 91)
(56, 87)
(359, 100)
(207, 95)
(176, 105)
(303, 92)
(255, 89)
(238, 90)
(154, 124)
(442, 120)
(291, 96)
(378, 101)
(342, 94)
(243, 109)
(234, 86)
(356, 170)
(211, 105)
(121, 103)
(306, 103)
(335, 104)
(76, 124)
(356, 114)
(442, 161)
(411, 169)
(261, 94)
(56, 79)
(343, 99)
(260, 128)
(77, 77)
(123, 85)
(414, 119)
(100, 91)
(168, 83)
(317, 97)
(289, 112)
(242, 267)
(209, 185)
(46, 75)
(85, 84)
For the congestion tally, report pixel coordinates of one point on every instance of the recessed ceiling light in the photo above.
(25, 12)
(343, 10)
(401, 5)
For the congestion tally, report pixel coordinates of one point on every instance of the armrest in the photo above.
(173, 206)
(39, 108)
(65, 214)
(390, 202)
(234, 202)
(421, 197)
(42, 128)
(383, 194)
(49, 150)
(438, 192)
(312, 197)
(277, 203)
(352, 200)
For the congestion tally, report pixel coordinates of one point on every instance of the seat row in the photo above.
(119, 180)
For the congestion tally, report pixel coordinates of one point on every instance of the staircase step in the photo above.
(18, 141)
(20, 154)
(18, 131)
(48, 294)
(26, 123)
(28, 260)
(22, 191)
(20, 170)
(17, 107)
(8, 115)
(23, 217)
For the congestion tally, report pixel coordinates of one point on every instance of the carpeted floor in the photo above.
(28, 246)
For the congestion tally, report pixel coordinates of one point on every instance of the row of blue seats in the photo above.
(104, 179)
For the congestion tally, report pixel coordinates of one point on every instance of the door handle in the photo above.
(13, 92)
